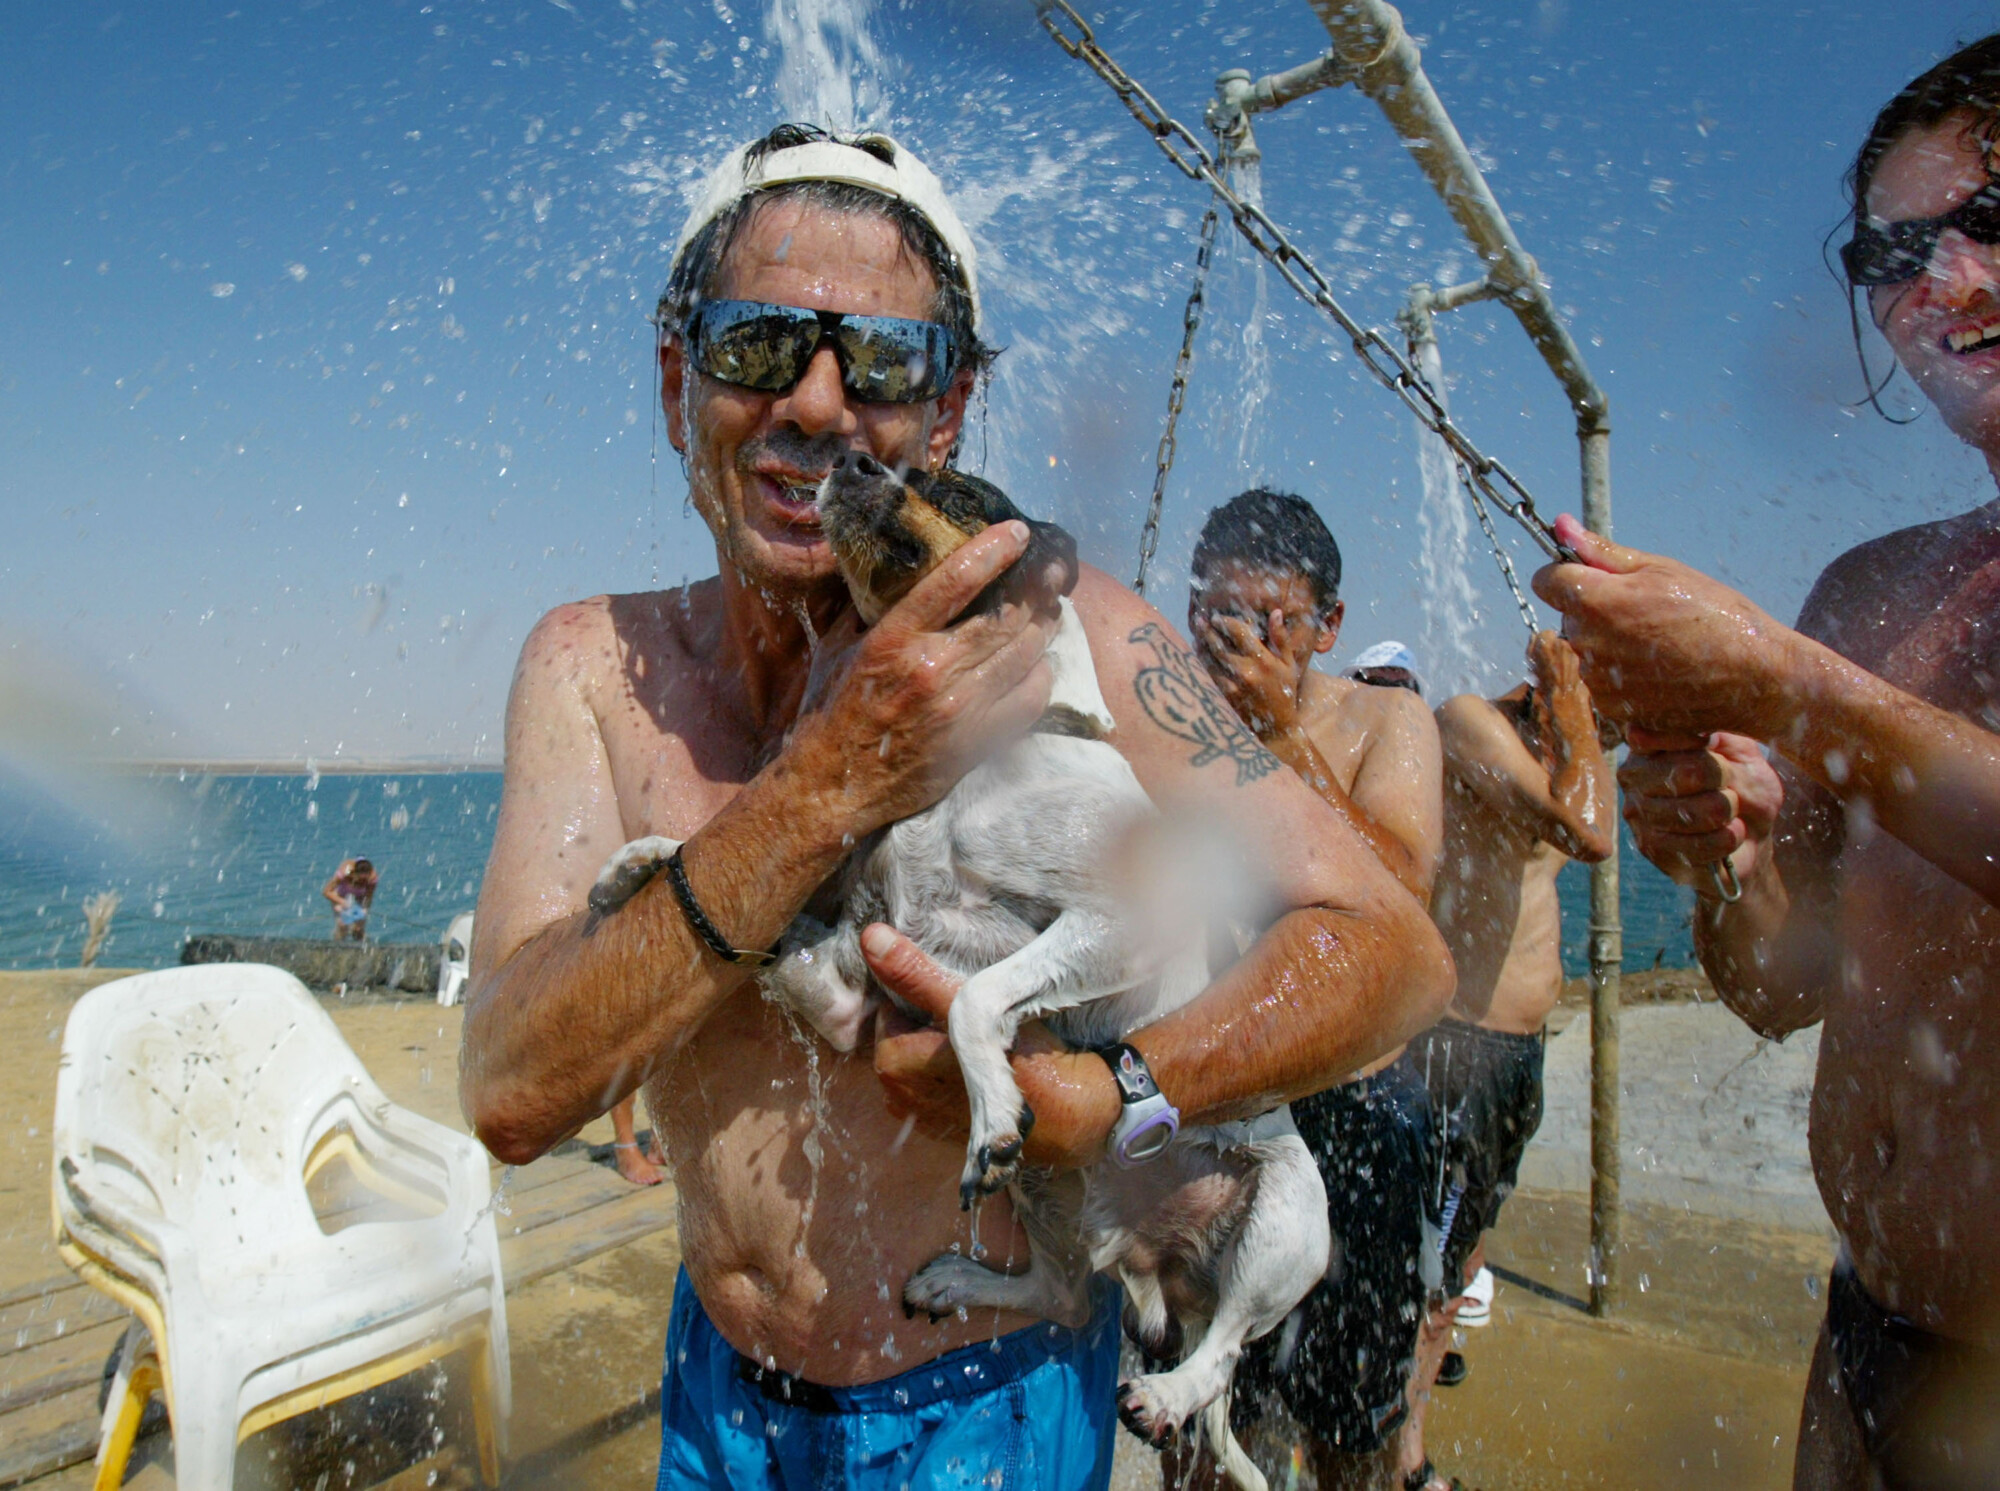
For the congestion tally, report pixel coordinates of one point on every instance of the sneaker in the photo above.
(1478, 1307)
(1452, 1370)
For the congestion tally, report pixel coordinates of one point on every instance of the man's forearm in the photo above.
(1320, 995)
(1929, 777)
(1581, 785)
(1769, 960)
(1295, 748)
(573, 1021)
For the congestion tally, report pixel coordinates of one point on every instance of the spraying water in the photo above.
(1450, 606)
(829, 68)
(1253, 371)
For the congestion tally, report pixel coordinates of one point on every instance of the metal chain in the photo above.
(1149, 536)
(1389, 367)
(1500, 553)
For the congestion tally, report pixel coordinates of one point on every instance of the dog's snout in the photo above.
(860, 463)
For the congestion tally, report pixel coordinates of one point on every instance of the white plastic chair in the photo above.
(456, 963)
(194, 1106)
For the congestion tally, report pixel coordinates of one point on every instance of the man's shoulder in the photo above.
(654, 622)
(1865, 579)
(1469, 717)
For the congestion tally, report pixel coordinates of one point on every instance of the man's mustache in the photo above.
(810, 455)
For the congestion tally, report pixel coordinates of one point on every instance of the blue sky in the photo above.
(324, 367)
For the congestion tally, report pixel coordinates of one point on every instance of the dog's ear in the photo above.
(1050, 548)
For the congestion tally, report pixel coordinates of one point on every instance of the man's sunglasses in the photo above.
(1896, 252)
(883, 359)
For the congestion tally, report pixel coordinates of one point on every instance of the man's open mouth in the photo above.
(1974, 338)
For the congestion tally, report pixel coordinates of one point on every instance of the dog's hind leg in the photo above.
(1056, 1285)
(1075, 958)
(1277, 1254)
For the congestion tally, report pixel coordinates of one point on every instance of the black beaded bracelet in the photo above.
(704, 928)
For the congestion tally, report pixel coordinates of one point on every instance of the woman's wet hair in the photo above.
(1275, 531)
(699, 269)
(1966, 81)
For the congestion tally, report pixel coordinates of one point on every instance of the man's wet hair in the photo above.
(1967, 80)
(699, 270)
(1275, 531)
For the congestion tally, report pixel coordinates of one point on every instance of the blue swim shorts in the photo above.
(1035, 1410)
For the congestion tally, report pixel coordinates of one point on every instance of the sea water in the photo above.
(242, 854)
(248, 854)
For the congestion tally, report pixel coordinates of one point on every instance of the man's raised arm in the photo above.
(1565, 792)
(568, 1009)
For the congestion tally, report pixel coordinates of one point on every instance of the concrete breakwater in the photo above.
(411, 967)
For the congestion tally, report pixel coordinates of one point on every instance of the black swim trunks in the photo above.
(1926, 1405)
(1486, 1091)
(1341, 1361)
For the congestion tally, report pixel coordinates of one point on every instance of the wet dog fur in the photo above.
(1004, 881)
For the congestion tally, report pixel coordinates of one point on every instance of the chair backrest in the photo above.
(456, 964)
(189, 1100)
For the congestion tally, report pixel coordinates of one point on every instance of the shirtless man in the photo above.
(1265, 601)
(823, 298)
(1867, 847)
(1526, 790)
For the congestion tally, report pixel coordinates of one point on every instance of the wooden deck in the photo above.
(56, 1335)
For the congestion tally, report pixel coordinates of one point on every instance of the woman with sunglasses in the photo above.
(1849, 774)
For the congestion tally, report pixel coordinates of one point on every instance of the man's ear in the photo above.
(950, 419)
(1329, 629)
(673, 369)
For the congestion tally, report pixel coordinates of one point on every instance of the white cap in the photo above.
(839, 158)
(1390, 654)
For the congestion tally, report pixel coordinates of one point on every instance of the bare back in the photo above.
(1496, 905)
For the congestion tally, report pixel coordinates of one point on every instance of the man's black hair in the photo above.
(698, 270)
(1966, 81)
(1275, 531)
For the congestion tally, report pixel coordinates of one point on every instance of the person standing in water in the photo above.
(351, 892)
(823, 299)
(1867, 844)
(1527, 789)
(1265, 601)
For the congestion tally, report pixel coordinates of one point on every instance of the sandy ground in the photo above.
(1695, 1383)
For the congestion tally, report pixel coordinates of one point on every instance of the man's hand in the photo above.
(1664, 646)
(1258, 675)
(1693, 803)
(1074, 1099)
(916, 700)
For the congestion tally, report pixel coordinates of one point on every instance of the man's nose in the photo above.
(817, 403)
(1961, 270)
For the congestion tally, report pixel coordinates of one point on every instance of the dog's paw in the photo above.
(1155, 1407)
(994, 1164)
(947, 1284)
(627, 872)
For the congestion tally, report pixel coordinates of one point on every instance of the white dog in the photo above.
(1008, 882)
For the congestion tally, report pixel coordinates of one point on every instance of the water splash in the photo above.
(813, 1146)
(1450, 606)
(1253, 372)
(830, 70)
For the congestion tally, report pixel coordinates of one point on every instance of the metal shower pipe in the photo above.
(1372, 51)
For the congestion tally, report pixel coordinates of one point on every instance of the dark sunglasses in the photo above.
(883, 359)
(1895, 252)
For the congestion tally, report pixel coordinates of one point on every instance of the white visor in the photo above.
(907, 179)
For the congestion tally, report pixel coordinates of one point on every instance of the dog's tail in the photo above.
(1228, 1453)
